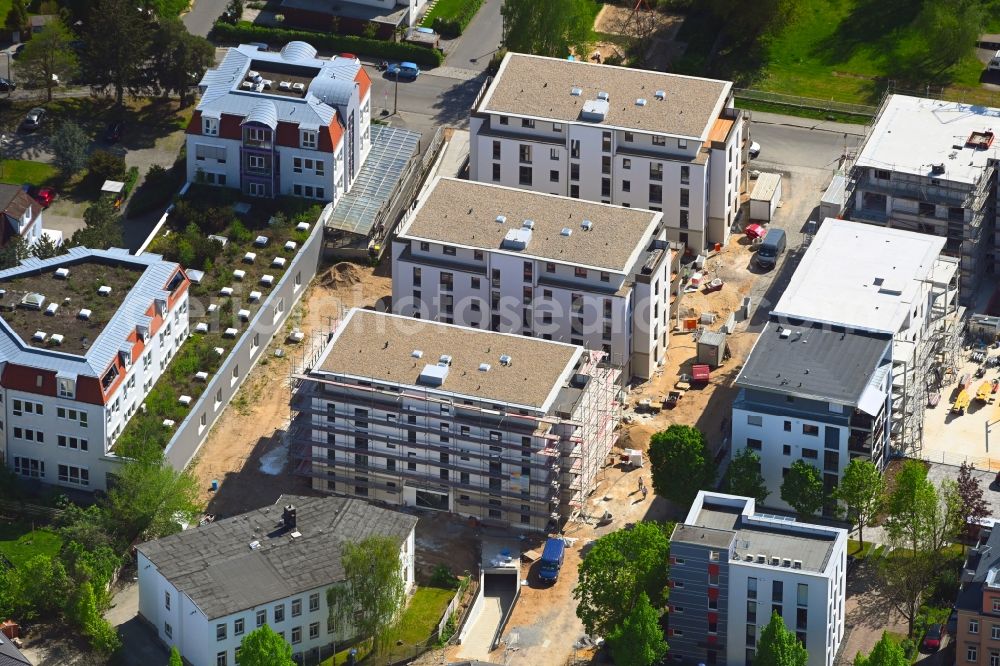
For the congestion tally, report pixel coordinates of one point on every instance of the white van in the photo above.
(994, 64)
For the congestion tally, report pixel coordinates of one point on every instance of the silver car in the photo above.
(33, 120)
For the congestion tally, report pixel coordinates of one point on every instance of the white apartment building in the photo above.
(551, 267)
(618, 135)
(504, 428)
(289, 123)
(204, 589)
(22, 217)
(930, 166)
(731, 567)
(83, 338)
(867, 325)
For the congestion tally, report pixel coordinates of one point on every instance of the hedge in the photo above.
(454, 25)
(244, 32)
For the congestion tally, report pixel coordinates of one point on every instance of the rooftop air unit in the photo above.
(484, 367)
(761, 559)
(528, 224)
(516, 239)
(576, 92)
(298, 86)
(586, 225)
(62, 273)
(566, 231)
(775, 561)
(506, 360)
(641, 101)
(284, 85)
(501, 219)
(416, 353)
(104, 290)
(603, 96)
(661, 95)
(444, 360)
(84, 314)
(595, 110)
(797, 564)
(56, 338)
(785, 562)
(937, 168)
(39, 336)
(433, 375)
(51, 310)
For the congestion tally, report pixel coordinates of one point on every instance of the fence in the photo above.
(23, 509)
(450, 610)
(805, 102)
(956, 459)
(268, 321)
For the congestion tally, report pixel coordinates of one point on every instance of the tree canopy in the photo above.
(803, 488)
(69, 148)
(744, 478)
(550, 28)
(48, 57)
(175, 656)
(973, 505)
(861, 489)
(912, 507)
(264, 647)
(886, 652)
(373, 592)
(777, 646)
(681, 463)
(638, 640)
(117, 40)
(179, 58)
(17, 19)
(619, 568)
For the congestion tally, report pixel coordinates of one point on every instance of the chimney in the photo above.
(288, 517)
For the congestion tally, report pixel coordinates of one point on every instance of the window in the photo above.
(313, 602)
(261, 618)
(221, 659)
(279, 613)
(973, 626)
(606, 164)
(528, 122)
(574, 191)
(656, 170)
(210, 126)
(685, 175)
(995, 632)
(574, 171)
(557, 127)
(75, 443)
(496, 150)
(220, 631)
(810, 430)
(257, 135)
(606, 142)
(67, 387)
(553, 176)
(297, 168)
(626, 163)
(685, 197)
(751, 588)
(314, 630)
(78, 476)
(802, 595)
(296, 607)
(296, 635)
(496, 172)
(504, 120)
(626, 186)
(755, 420)
(524, 154)
(656, 194)
(682, 144)
(751, 611)
(994, 658)
(882, 174)
(786, 449)
(238, 627)
(307, 139)
(524, 176)
(256, 189)
(580, 272)
(788, 426)
(972, 653)
(755, 444)
(168, 631)
(29, 467)
(659, 140)
(574, 148)
(684, 219)
(812, 454)
(166, 600)
(320, 170)
(629, 137)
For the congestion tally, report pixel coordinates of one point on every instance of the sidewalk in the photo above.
(808, 123)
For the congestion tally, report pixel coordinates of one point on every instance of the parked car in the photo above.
(770, 249)
(114, 132)
(552, 560)
(33, 119)
(952, 626)
(403, 70)
(933, 638)
(6, 85)
(754, 150)
(18, 51)
(43, 195)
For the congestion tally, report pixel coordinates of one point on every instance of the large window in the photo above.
(210, 126)
(307, 139)
(78, 476)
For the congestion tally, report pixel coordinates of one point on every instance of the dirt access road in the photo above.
(247, 450)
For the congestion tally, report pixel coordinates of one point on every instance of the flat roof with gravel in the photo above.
(381, 347)
(535, 86)
(462, 212)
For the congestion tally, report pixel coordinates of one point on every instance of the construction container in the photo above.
(712, 348)
(765, 197)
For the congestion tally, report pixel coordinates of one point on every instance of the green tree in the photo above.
(149, 496)
(681, 463)
(373, 592)
(103, 227)
(48, 57)
(550, 28)
(745, 22)
(862, 489)
(38, 589)
(886, 652)
(973, 505)
(117, 41)
(905, 576)
(912, 508)
(17, 18)
(639, 638)
(803, 488)
(949, 29)
(14, 252)
(778, 646)
(618, 569)
(103, 165)
(175, 656)
(69, 148)
(179, 58)
(45, 248)
(234, 12)
(264, 647)
(743, 477)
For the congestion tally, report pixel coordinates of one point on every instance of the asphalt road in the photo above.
(425, 103)
(795, 146)
(199, 20)
(480, 40)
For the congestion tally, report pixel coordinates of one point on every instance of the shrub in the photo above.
(442, 577)
(453, 25)
(244, 32)
(103, 166)
(131, 177)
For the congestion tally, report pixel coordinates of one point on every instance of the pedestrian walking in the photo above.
(644, 492)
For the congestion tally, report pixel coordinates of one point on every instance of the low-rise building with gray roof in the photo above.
(205, 588)
(632, 137)
(747, 564)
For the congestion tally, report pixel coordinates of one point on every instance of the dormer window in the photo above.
(67, 387)
(307, 139)
(210, 126)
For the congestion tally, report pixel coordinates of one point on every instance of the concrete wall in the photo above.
(270, 319)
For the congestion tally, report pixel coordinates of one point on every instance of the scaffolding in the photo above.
(498, 463)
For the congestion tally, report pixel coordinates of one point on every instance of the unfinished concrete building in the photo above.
(930, 166)
(504, 428)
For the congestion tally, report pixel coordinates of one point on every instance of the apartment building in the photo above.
(930, 166)
(977, 636)
(731, 567)
(288, 122)
(617, 135)
(868, 324)
(504, 428)
(22, 216)
(204, 589)
(552, 267)
(83, 338)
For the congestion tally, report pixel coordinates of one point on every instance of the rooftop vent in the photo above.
(84, 314)
(501, 219)
(416, 353)
(516, 239)
(595, 110)
(433, 375)
(254, 545)
(566, 231)
(661, 95)
(56, 338)
(797, 564)
(506, 360)
(484, 367)
(298, 86)
(937, 168)
(444, 360)
(33, 301)
(201, 327)
(62, 273)
(528, 224)
(761, 559)
(576, 92)
(603, 96)
(104, 290)
(641, 101)
(296, 534)
(785, 562)
(288, 517)
(39, 336)
(587, 225)
(784, 333)
(775, 560)
(51, 310)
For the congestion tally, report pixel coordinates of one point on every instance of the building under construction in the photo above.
(503, 428)
(930, 166)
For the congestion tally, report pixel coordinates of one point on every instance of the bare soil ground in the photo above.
(256, 423)
(620, 20)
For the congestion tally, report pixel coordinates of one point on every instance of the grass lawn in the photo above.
(19, 172)
(445, 9)
(844, 50)
(418, 622)
(18, 543)
(854, 548)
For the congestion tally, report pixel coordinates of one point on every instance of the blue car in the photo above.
(403, 70)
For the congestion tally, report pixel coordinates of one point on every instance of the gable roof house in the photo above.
(22, 215)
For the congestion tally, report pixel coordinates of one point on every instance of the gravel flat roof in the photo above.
(534, 86)
(462, 212)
